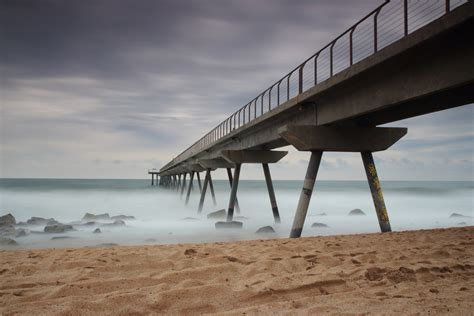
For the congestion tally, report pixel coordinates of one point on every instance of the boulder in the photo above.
(190, 219)
(110, 244)
(92, 217)
(123, 217)
(97, 231)
(265, 230)
(151, 240)
(462, 224)
(356, 212)
(60, 237)
(241, 218)
(220, 214)
(457, 215)
(7, 230)
(41, 221)
(21, 224)
(319, 225)
(8, 219)
(320, 214)
(21, 233)
(117, 222)
(57, 229)
(232, 224)
(7, 242)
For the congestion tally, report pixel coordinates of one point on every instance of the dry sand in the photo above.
(416, 272)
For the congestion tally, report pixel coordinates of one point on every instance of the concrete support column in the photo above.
(233, 193)
(189, 187)
(184, 185)
(376, 191)
(211, 186)
(271, 193)
(204, 189)
(229, 175)
(199, 182)
(179, 182)
(306, 193)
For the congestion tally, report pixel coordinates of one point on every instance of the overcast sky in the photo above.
(108, 89)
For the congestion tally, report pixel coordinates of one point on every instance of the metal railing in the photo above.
(387, 23)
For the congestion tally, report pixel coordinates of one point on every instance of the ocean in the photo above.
(160, 212)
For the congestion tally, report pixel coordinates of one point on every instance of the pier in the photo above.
(397, 62)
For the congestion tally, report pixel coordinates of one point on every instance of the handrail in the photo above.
(233, 122)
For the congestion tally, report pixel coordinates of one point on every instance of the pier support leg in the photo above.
(178, 186)
(271, 193)
(183, 186)
(229, 175)
(306, 193)
(152, 179)
(189, 187)
(211, 186)
(233, 193)
(376, 191)
(204, 189)
(199, 182)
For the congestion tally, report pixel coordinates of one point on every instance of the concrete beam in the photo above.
(345, 139)
(196, 167)
(253, 156)
(215, 163)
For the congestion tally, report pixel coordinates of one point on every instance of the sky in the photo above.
(109, 89)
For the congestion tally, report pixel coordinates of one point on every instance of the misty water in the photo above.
(159, 212)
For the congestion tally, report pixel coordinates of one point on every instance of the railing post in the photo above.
(255, 108)
(249, 110)
(351, 46)
(270, 98)
(288, 88)
(316, 69)
(261, 103)
(375, 27)
(448, 6)
(331, 66)
(405, 16)
(278, 93)
(300, 79)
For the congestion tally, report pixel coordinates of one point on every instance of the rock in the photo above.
(91, 217)
(123, 217)
(60, 237)
(90, 224)
(41, 221)
(220, 214)
(232, 224)
(97, 231)
(319, 225)
(21, 224)
(189, 219)
(356, 212)
(57, 229)
(241, 218)
(265, 230)
(7, 230)
(151, 240)
(8, 219)
(457, 215)
(321, 214)
(21, 233)
(116, 223)
(7, 242)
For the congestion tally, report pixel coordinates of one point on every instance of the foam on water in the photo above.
(159, 212)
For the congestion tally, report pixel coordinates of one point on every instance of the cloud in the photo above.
(85, 83)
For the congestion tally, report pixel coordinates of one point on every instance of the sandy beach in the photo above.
(400, 273)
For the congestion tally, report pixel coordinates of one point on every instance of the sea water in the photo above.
(160, 211)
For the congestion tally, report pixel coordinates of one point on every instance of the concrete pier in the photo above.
(425, 70)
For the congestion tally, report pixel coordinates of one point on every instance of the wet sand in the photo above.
(402, 273)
